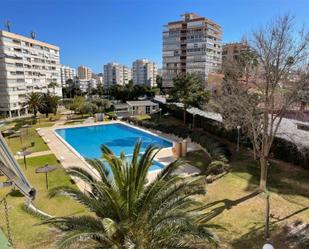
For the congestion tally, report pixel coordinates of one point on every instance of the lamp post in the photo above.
(24, 153)
(267, 210)
(193, 122)
(26, 127)
(268, 246)
(238, 137)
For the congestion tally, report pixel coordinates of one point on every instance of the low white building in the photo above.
(142, 107)
(134, 108)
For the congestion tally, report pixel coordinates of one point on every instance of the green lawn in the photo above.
(240, 211)
(74, 122)
(25, 231)
(142, 117)
(17, 143)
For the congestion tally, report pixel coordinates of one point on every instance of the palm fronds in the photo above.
(131, 212)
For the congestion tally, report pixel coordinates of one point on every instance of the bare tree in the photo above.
(257, 97)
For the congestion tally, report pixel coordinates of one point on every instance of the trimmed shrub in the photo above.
(281, 148)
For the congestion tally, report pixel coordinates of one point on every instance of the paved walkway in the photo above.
(35, 154)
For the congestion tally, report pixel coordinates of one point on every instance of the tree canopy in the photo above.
(190, 90)
(264, 84)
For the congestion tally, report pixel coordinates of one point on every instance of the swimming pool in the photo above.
(118, 137)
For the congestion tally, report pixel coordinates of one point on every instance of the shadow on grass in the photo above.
(227, 204)
(281, 181)
(255, 238)
(278, 219)
(16, 193)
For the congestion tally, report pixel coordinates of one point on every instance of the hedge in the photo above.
(281, 149)
(200, 137)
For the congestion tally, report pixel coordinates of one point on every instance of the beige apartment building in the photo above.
(144, 72)
(66, 74)
(26, 65)
(84, 73)
(233, 50)
(116, 74)
(191, 45)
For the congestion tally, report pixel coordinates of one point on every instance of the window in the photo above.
(147, 109)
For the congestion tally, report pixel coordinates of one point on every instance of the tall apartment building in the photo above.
(191, 45)
(115, 73)
(233, 50)
(26, 65)
(144, 72)
(66, 74)
(84, 73)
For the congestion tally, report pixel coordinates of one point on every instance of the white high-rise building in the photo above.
(191, 45)
(115, 73)
(144, 72)
(67, 73)
(26, 65)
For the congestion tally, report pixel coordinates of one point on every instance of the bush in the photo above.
(281, 148)
(289, 152)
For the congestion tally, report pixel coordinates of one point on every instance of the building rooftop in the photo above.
(141, 103)
(120, 106)
(27, 39)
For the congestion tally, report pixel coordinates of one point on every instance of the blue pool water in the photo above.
(118, 137)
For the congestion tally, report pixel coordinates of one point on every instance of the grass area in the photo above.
(240, 212)
(26, 232)
(17, 143)
(77, 116)
(29, 135)
(74, 122)
(142, 117)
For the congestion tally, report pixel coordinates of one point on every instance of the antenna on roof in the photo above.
(8, 25)
(32, 34)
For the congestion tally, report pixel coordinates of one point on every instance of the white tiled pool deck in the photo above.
(68, 157)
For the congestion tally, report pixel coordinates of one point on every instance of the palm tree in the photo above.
(216, 162)
(34, 102)
(131, 212)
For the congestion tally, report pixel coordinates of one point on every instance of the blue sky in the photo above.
(93, 32)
